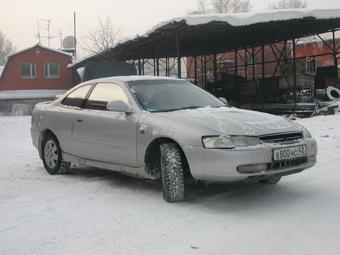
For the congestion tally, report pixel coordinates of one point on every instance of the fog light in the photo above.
(249, 169)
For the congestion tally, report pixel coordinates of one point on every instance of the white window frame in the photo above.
(31, 76)
(49, 76)
(308, 65)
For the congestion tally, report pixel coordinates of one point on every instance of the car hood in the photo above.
(231, 121)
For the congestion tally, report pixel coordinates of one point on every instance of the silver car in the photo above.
(168, 129)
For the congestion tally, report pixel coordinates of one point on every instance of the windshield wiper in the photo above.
(182, 108)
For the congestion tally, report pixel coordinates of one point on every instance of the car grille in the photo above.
(284, 164)
(279, 138)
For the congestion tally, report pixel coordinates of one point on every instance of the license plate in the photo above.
(290, 153)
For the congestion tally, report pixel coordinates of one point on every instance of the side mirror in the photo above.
(223, 100)
(119, 106)
(58, 96)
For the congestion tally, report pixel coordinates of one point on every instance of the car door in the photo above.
(65, 115)
(103, 135)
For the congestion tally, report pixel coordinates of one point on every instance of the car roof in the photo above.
(132, 78)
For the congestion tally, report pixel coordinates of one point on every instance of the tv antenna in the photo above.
(47, 28)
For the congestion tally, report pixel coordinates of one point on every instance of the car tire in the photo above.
(52, 156)
(172, 172)
(271, 180)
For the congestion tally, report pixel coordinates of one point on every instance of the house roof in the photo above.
(42, 47)
(8, 57)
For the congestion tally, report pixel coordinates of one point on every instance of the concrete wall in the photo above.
(19, 107)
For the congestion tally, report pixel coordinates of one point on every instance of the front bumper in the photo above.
(220, 165)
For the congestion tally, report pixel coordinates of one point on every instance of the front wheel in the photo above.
(172, 172)
(52, 156)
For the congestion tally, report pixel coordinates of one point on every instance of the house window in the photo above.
(28, 71)
(311, 66)
(51, 70)
(252, 60)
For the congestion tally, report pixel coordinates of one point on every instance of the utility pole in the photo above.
(75, 33)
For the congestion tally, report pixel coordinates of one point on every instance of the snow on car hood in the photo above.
(232, 121)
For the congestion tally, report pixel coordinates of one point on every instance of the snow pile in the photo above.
(248, 18)
(29, 94)
(1, 69)
(91, 211)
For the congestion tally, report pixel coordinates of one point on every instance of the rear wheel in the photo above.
(52, 156)
(172, 172)
(271, 180)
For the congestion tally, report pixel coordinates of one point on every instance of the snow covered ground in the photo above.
(100, 212)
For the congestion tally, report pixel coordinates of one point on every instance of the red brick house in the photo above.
(37, 68)
(31, 76)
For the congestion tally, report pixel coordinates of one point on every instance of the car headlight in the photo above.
(229, 142)
(305, 132)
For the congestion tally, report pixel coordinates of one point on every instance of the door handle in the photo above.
(80, 121)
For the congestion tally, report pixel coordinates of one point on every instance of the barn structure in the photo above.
(265, 67)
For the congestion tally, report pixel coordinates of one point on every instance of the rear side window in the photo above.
(77, 97)
(104, 93)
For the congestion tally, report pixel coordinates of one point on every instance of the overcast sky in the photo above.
(18, 18)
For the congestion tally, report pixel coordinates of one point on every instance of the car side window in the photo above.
(104, 93)
(77, 97)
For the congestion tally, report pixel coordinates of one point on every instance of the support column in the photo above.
(253, 56)
(263, 73)
(157, 66)
(294, 74)
(334, 55)
(154, 67)
(205, 71)
(245, 65)
(178, 49)
(143, 65)
(139, 67)
(236, 63)
(215, 67)
(166, 66)
(196, 70)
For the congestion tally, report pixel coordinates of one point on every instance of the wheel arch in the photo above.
(152, 156)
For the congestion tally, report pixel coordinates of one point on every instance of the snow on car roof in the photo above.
(133, 78)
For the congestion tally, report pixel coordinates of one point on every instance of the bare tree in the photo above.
(289, 4)
(6, 47)
(202, 6)
(231, 6)
(102, 39)
(222, 6)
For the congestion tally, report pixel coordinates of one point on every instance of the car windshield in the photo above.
(171, 95)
